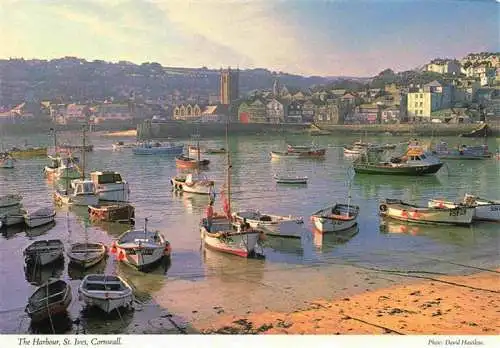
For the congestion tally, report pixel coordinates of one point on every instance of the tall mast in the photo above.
(55, 140)
(228, 168)
(83, 154)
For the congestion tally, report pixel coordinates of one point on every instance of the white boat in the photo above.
(273, 225)
(193, 184)
(157, 148)
(86, 254)
(49, 300)
(81, 193)
(194, 150)
(107, 292)
(290, 179)
(12, 215)
(334, 218)
(6, 160)
(399, 210)
(121, 145)
(10, 200)
(484, 209)
(39, 217)
(141, 248)
(110, 186)
(43, 252)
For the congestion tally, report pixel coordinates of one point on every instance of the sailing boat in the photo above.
(337, 217)
(81, 191)
(220, 233)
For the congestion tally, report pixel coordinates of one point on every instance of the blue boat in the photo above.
(462, 152)
(157, 148)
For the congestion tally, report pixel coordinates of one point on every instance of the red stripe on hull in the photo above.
(229, 251)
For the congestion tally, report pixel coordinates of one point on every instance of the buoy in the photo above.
(121, 256)
(382, 208)
(113, 248)
(168, 249)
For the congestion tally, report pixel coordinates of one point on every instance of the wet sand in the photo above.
(447, 305)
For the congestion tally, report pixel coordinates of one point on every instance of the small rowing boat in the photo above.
(290, 179)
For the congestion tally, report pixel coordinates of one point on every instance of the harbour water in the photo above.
(198, 285)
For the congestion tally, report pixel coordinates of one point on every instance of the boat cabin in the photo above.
(82, 187)
(107, 177)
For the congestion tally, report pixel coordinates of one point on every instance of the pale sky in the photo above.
(309, 37)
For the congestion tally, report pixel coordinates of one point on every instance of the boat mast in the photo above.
(83, 154)
(55, 140)
(228, 168)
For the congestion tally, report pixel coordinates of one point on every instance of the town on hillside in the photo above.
(73, 91)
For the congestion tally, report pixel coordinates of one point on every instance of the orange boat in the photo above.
(188, 162)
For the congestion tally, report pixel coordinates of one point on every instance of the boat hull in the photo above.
(276, 225)
(12, 218)
(107, 294)
(335, 218)
(43, 254)
(86, 255)
(483, 211)
(459, 215)
(386, 170)
(122, 212)
(108, 304)
(78, 200)
(33, 221)
(141, 258)
(203, 187)
(118, 192)
(52, 309)
(174, 150)
(191, 163)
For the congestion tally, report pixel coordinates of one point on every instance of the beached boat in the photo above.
(290, 179)
(110, 186)
(484, 209)
(49, 300)
(86, 255)
(157, 148)
(107, 292)
(414, 162)
(193, 184)
(189, 162)
(141, 248)
(10, 200)
(28, 152)
(334, 218)
(81, 192)
(399, 210)
(43, 252)
(39, 217)
(6, 160)
(462, 152)
(273, 225)
(112, 212)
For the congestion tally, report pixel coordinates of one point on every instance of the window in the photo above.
(421, 95)
(416, 104)
(421, 104)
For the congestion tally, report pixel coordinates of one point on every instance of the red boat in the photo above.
(188, 162)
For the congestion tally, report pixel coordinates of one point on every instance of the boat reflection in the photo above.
(37, 275)
(92, 319)
(58, 324)
(40, 230)
(144, 283)
(464, 236)
(379, 185)
(115, 229)
(327, 241)
(78, 272)
(11, 231)
(194, 203)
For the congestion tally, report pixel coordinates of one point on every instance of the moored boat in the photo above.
(110, 186)
(157, 148)
(290, 179)
(141, 248)
(334, 218)
(10, 200)
(121, 145)
(195, 150)
(318, 153)
(211, 151)
(49, 300)
(192, 184)
(6, 160)
(39, 217)
(86, 254)
(43, 252)
(28, 152)
(462, 152)
(107, 292)
(123, 212)
(399, 210)
(189, 162)
(484, 209)
(81, 192)
(273, 225)
(70, 148)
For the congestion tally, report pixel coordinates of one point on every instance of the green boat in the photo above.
(414, 162)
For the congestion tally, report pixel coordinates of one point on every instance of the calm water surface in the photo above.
(198, 283)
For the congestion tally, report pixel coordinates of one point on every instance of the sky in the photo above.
(308, 37)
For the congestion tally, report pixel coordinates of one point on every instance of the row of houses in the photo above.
(486, 69)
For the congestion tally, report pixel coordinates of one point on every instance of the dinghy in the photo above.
(86, 254)
(193, 184)
(43, 252)
(290, 179)
(107, 292)
(273, 225)
(49, 300)
(39, 217)
(337, 217)
(10, 200)
(399, 210)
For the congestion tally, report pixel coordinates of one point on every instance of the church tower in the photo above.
(229, 86)
(276, 87)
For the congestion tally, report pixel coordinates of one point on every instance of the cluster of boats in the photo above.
(12, 213)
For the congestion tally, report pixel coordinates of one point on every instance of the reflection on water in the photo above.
(76, 271)
(37, 275)
(11, 231)
(40, 230)
(325, 242)
(59, 324)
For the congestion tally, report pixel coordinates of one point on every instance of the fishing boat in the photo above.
(28, 152)
(122, 212)
(219, 232)
(10, 200)
(194, 150)
(318, 153)
(462, 152)
(399, 210)
(121, 145)
(107, 292)
(273, 225)
(354, 150)
(6, 160)
(193, 184)
(68, 163)
(215, 151)
(157, 148)
(334, 218)
(43, 252)
(299, 148)
(280, 179)
(80, 193)
(141, 248)
(414, 162)
(183, 161)
(110, 186)
(86, 254)
(484, 209)
(49, 300)
(39, 217)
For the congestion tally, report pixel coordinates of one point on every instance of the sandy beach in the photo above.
(466, 305)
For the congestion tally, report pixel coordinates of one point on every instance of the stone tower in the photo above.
(229, 86)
